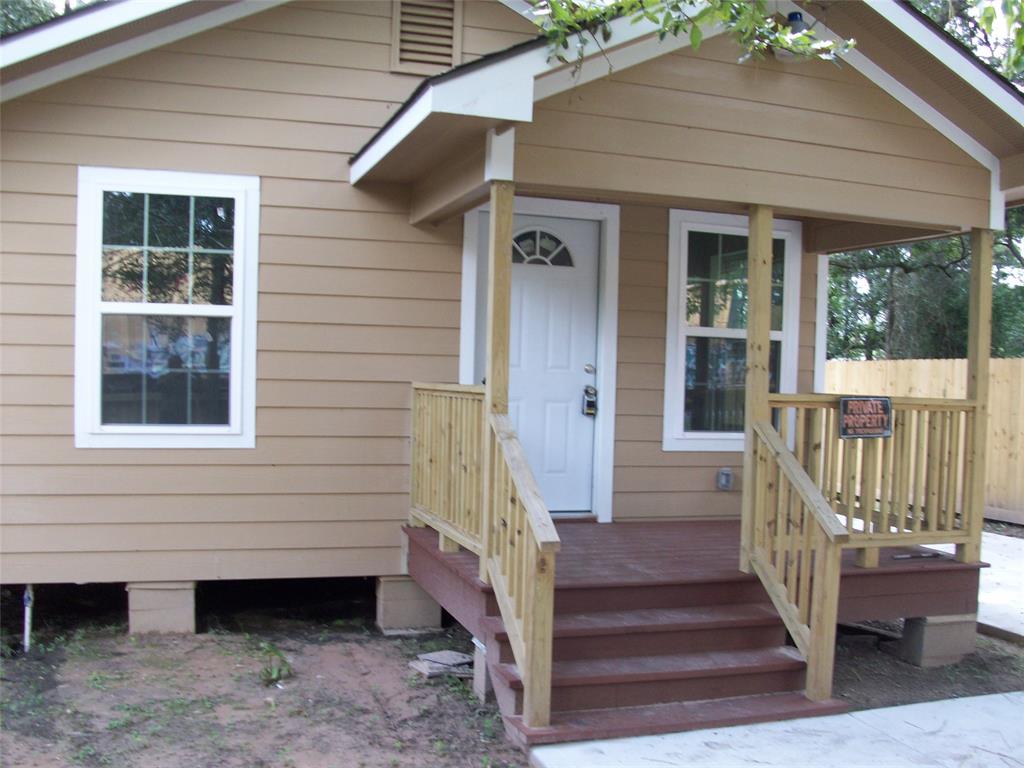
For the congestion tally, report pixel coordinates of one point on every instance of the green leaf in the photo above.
(696, 36)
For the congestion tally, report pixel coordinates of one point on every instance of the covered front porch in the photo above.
(656, 630)
(805, 527)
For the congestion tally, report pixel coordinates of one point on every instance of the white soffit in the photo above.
(949, 55)
(103, 19)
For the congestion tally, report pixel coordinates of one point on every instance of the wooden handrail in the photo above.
(809, 492)
(470, 389)
(529, 494)
(779, 400)
(447, 463)
(908, 489)
(796, 552)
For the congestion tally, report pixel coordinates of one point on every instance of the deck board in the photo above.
(638, 553)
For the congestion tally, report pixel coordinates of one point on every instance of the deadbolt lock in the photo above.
(589, 401)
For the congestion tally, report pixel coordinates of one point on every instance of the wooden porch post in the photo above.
(759, 322)
(499, 290)
(979, 345)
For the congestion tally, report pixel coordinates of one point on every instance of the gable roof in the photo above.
(899, 49)
(103, 34)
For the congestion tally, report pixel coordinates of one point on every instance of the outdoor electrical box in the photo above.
(724, 479)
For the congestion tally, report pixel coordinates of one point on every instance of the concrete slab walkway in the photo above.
(1001, 595)
(975, 732)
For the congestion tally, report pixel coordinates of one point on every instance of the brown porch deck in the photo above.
(707, 552)
(656, 629)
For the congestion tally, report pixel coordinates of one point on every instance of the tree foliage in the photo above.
(911, 301)
(572, 25)
(16, 15)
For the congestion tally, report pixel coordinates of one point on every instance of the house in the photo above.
(236, 233)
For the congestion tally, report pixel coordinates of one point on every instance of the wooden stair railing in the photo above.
(796, 552)
(909, 489)
(507, 524)
(519, 552)
(447, 463)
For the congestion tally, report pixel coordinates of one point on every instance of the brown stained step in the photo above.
(626, 595)
(641, 680)
(659, 631)
(669, 718)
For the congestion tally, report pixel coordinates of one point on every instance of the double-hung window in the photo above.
(165, 318)
(706, 335)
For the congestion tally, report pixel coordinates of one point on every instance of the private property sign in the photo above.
(865, 417)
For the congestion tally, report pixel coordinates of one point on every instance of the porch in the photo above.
(656, 630)
(715, 308)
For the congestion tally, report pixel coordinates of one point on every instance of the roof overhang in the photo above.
(501, 88)
(457, 106)
(106, 33)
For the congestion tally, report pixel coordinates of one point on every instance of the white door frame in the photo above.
(607, 217)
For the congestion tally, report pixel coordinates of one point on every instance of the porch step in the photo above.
(669, 718)
(611, 595)
(658, 631)
(642, 680)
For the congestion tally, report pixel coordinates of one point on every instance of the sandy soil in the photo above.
(105, 699)
(96, 697)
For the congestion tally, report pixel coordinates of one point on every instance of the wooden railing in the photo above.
(520, 546)
(472, 484)
(797, 552)
(447, 462)
(904, 490)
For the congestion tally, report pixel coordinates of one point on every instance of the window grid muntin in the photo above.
(146, 248)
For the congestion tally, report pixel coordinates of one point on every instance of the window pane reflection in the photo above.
(165, 370)
(716, 286)
(715, 375)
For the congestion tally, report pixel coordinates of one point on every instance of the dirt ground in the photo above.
(90, 695)
(102, 698)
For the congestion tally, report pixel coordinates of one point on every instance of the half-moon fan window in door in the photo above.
(536, 246)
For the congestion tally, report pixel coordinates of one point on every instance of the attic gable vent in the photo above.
(426, 35)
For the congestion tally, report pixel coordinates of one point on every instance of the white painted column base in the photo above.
(161, 606)
(402, 604)
(934, 641)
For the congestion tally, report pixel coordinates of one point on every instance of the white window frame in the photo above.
(681, 223)
(240, 432)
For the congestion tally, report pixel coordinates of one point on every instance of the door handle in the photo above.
(589, 401)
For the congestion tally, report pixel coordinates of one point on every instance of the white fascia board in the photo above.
(924, 110)
(641, 48)
(64, 32)
(120, 51)
(950, 56)
(393, 135)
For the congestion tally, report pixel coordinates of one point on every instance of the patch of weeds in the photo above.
(100, 681)
(276, 667)
(488, 727)
(440, 747)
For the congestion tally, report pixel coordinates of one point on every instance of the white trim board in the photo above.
(945, 51)
(821, 323)
(112, 54)
(607, 322)
(674, 437)
(90, 432)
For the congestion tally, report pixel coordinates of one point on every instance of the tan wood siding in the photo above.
(649, 482)
(816, 139)
(354, 304)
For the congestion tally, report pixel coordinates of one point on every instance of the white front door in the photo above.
(553, 353)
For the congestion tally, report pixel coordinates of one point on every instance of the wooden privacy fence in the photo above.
(797, 552)
(1004, 483)
(471, 483)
